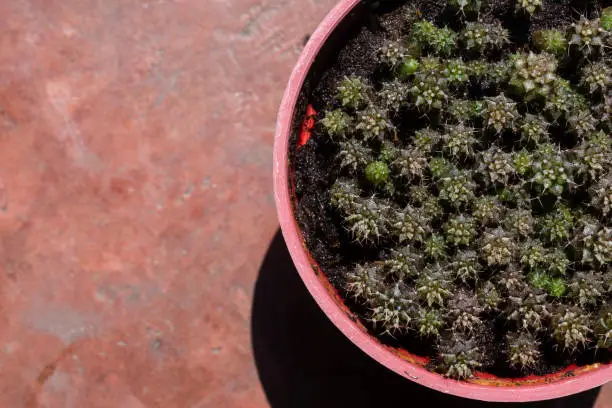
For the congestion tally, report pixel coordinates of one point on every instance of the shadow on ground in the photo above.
(305, 362)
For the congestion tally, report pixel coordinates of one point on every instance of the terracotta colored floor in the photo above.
(136, 208)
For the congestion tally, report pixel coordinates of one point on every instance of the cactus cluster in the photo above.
(499, 206)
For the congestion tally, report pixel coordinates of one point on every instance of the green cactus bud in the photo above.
(556, 226)
(459, 141)
(377, 173)
(523, 352)
(488, 296)
(465, 266)
(596, 77)
(533, 254)
(556, 287)
(409, 225)
(410, 163)
(534, 130)
(457, 188)
(393, 95)
(497, 247)
(429, 322)
(533, 75)
(498, 74)
(336, 123)
(408, 67)
(520, 222)
(500, 113)
(477, 69)
(550, 172)
(460, 230)
(430, 66)
(373, 123)
(354, 154)
(460, 110)
(562, 100)
(528, 6)
(426, 139)
(482, 37)
(431, 208)
(459, 357)
(352, 92)
(496, 165)
(435, 247)
(463, 311)
(606, 19)
(439, 167)
(550, 41)
(570, 329)
(441, 41)
(587, 288)
(587, 36)
(487, 210)
(392, 53)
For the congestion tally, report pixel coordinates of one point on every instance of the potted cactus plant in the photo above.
(448, 198)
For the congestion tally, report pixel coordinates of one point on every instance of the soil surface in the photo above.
(316, 168)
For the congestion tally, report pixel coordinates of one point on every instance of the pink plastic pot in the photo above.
(483, 386)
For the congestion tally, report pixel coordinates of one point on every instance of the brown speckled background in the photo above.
(136, 208)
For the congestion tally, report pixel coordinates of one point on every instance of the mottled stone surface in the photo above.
(136, 196)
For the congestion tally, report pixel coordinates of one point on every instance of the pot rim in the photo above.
(598, 375)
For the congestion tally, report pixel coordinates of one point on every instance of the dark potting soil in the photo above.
(316, 168)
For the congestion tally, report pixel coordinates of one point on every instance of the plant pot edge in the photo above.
(597, 376)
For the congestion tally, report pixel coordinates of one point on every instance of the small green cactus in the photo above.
(550, 41)
(556, 226)
(364, 281)
(377, 173)
(392, 53)
(373, 123)
(410, 164)
(408, 67)
(393, 95)
(534, 130)
(440, 168)
(523, 351)
(465, 266)
(571, 329)
(587, 36)
(500, 113)
(463, 312)
(581, 122)
(466, 6)
(522, 161)
(410, 225)
(483, 37)
(441, 41)
(455, 72)
(426, 139)
(606, 19)
(429, 323)
(337, 124)
(459, 357)
(353, 154)
(403, 262)
(594, 155)
(519, 222)
(587, 288)
(496, 166)
(603, 329)
(393, 309)
(498, 247)
(457, 188)
(435, 247)
(601, 195)
(533, 254)
(344, 195)
(488, 296)
(353, 92)
(533, 75)
(528, 6)
(550, 172)
(459, 141)
(488, 210)
(528, 308)
(367, 220)
(429, 93)
(460, 230)
(434, 287)
(596, 77)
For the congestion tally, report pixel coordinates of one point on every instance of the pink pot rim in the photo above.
(595, 376)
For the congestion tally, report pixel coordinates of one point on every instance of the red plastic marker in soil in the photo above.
(307, 126)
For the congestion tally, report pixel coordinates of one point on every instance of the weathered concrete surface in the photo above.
(135, 195)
